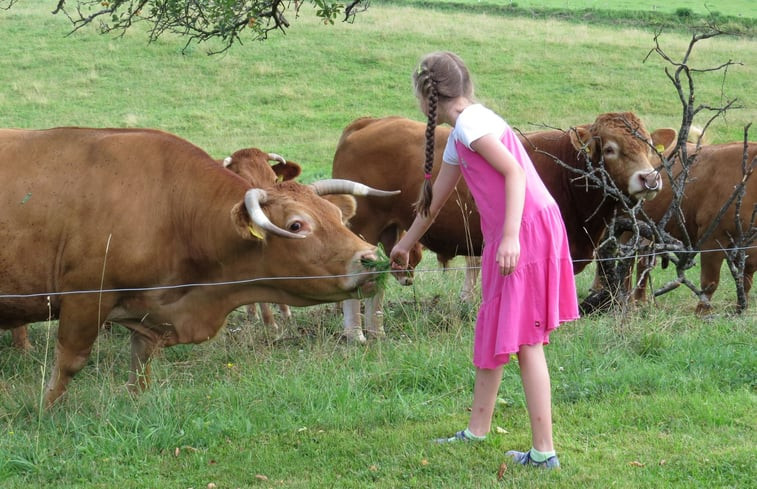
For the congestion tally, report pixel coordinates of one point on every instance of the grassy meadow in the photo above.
(732, 8)
(656, 398)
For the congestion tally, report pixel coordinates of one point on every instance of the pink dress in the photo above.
(524, 307)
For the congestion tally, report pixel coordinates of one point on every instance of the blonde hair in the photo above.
(440, 76)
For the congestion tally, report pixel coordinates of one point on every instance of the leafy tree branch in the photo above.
(200, 20)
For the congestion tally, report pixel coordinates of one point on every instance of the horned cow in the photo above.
(144, 229)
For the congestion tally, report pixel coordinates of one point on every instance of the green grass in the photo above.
(732, 16)
(657, 399)
(735, 8)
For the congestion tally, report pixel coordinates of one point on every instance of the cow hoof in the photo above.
(353, 336)
(23, 346)
(374, 327)
(286, 312)
(376, 334)
(703, 309)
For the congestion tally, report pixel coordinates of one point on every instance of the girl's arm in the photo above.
(498, 156)
(443, 186)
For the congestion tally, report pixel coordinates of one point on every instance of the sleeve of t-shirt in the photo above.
(450, 155)
(477, 121)
(473, 123)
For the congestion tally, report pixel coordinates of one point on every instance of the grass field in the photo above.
(734, 8)
(657, 398)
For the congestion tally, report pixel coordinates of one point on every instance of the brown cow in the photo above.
(252, 165)
(713, 174)
(144, 229)
(388, 153)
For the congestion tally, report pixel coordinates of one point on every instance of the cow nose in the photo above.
(368, 256)
(652, 180)
(404, 278)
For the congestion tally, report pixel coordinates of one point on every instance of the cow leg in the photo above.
(644, 266)
(286, 316)
(272, 329)
(353, 330)
(267, 314)
(286, 313)
(78, 327)
(267, 317)
(374, 315)
(709, 279)
(20, 338)
(472, 268)
(749, 270)
(142, 349)
(252, 312)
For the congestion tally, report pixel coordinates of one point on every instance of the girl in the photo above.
(527, 274)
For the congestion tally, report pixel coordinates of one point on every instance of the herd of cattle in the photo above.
(142, 228)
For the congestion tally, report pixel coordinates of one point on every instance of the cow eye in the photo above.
(295, 226)
(609, 150)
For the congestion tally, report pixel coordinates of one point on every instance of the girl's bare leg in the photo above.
(484, 398)
(538, 391)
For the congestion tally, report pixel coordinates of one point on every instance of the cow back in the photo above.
(715, 171)
(388, 153)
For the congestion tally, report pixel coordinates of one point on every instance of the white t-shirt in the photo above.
(473, 122)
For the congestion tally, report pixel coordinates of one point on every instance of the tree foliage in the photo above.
(200, 20)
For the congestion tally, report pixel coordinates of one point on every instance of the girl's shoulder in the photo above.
(478, 120)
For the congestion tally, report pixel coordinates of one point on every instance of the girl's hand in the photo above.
(508, 254)
(399, 256)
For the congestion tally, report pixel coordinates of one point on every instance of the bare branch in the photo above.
(676, 166)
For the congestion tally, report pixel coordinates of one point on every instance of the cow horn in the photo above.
(276, 157)
(339, 186)
(252, 200)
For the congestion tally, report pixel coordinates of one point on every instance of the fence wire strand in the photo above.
(309, 277)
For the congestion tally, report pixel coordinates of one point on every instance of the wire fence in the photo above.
(311, 277)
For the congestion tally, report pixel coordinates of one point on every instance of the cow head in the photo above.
(629, 153)
(252, 164)
(317, 239)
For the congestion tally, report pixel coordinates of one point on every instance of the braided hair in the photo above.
(440, 77)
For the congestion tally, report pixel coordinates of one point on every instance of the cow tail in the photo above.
(423, 205)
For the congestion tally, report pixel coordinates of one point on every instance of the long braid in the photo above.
(423, 205)
(439, 78)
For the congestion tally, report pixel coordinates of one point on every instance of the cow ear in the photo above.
(664, 139)
(580, 137)
(288, 171)
(346, 203)
(244, 225)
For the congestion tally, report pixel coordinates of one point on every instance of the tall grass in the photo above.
(657, 398)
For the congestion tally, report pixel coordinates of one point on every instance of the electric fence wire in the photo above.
(310, 277)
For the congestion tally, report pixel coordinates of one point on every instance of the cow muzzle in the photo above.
(653, 181)
(645, 185)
